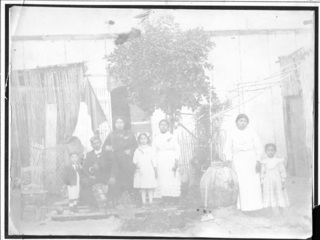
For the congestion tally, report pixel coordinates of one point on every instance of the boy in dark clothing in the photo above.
(72, 180)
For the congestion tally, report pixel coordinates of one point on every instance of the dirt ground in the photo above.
(185, 220)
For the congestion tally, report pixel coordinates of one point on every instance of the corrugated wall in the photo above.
(245, 70)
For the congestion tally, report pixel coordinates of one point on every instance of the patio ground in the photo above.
(185, 220)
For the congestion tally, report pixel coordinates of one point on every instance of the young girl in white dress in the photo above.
(273, 176)
(146, 169)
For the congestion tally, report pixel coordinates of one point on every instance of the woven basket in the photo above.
(219, 186)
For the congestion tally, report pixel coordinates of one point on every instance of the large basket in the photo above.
(219, 186)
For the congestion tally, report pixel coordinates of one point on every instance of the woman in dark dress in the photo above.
(122, 143)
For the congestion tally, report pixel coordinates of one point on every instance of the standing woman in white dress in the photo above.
(243, 149)
(167, 153)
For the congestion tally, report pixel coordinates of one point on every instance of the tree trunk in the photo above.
(171, 120)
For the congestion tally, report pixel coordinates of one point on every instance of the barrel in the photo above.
(219, 186)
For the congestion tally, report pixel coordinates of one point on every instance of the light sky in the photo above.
(52, 20)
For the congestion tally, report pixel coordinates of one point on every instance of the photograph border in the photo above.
(128, 6)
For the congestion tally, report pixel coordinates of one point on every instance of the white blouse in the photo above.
(167, 142)
(242, 140)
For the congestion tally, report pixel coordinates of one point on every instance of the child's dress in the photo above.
(145, 173)
(273, 175)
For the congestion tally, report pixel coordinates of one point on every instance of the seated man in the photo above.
(98, 168)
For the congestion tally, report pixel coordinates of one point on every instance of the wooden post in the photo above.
(50, 143)
(51, 125)
(206, 197)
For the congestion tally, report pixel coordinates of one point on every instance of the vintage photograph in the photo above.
(161, 121)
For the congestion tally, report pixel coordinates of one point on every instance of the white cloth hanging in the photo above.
(83, 129)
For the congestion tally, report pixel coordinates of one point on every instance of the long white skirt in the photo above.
(250, 195)
(169, 182)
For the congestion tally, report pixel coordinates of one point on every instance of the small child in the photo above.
(273, 176)
(146, 168)
(72, 180)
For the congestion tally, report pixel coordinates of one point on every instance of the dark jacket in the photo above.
(70, 176)
(121, 141)
(106, 167)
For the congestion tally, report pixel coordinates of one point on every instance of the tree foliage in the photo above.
(165, 67)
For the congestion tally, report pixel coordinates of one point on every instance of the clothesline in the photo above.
(269, 84)
(261, 89)
(252, 90)
(256, 83)
(257, 89)
(229, 109)
(275, 74)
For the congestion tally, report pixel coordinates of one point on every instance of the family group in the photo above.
(261, 180)
(123, 166)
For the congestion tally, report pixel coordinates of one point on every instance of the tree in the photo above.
(209, 137)
(165, 67)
